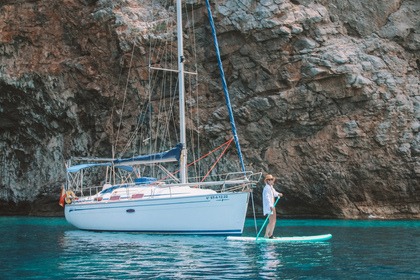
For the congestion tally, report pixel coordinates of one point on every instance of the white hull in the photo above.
(219, 213)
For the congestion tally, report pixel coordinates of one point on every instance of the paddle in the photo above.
(266, 220)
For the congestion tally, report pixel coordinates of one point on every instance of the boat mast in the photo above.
(183, 159)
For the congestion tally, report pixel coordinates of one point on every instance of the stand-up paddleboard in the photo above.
(313, 238)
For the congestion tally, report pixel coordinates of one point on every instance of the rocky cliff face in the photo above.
(326, 94)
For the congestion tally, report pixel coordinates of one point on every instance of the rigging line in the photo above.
(194, 44)
(198, 125)
(124, 99)
(142, 116)
(192, 131)
(155, 57)
(168, 103)
(227, 143)
(192, 88)
(161, 125)
(139, 131)
(110, 119)
(172, 102)
(218, 159)
(175, 87)
(253, 211)
(162, 114)
(134, 135)
(169, 116)
(165, 59)
(131, 139)
(149, 85)
(225, 89)
(196, 80)
(151, 52)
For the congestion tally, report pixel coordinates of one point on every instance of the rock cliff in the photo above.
(326, 94)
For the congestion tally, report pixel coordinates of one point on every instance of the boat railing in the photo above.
(249, 175)
(251, 179)
(234, 181)
(231, 182)
(86, 191)
(94, 190)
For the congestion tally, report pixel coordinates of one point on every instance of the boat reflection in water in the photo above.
(90, 254)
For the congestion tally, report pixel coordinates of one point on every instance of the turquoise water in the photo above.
(49, 248)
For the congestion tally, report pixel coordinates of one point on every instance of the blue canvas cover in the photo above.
(125, 163)
(76, 168)
(167, 156)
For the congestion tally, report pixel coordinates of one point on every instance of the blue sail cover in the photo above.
(76, 168)
(168, 156)
(125, 163)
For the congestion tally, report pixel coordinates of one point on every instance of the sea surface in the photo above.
(50, 248)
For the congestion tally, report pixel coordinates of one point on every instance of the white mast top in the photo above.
(183, 159)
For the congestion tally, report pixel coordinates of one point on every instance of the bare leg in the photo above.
(273, 220)
(271, 225)
(267, 229)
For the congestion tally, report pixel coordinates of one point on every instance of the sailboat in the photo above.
(172, 203)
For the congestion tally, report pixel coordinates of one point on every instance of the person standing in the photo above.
(269, 193)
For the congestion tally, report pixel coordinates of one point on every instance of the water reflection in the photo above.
(279, 259)
(133, 255)
(270, 261)
(103, 255)
(35, 248)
